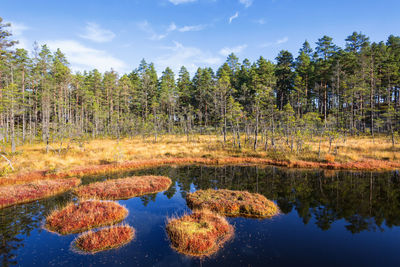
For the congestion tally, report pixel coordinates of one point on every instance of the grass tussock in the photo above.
(233, 203)
(201, 233)
(105, 239)
(23, 193)
(124, 188)
(77, 218)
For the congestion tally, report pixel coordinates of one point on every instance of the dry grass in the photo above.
(200, 234)
(23, 193)
(31, 163)
(124, 188)
(77, 218)
(104, 239)
(233, 203)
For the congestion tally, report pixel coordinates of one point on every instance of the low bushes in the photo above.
(124, 188)
(23, 193)
(200, 234)
(104, 239)
(232, 203)
(76, 218)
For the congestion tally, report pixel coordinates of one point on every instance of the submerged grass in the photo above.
(201, 233)
(77, 218)
(104, 239)
(23, 193)
(124, 188)
(233, 203)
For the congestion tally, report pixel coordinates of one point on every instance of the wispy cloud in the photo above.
(235, 16)
(229, 50)
(277, 42)
(261, 21)
(95, 33)
(192, 28)
(246, 3)
(190, 57)
(83, 57)
(178, 2)
(282, 41)
(18, 29)
(146, 27)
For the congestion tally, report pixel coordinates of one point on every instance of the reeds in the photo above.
(86, 215)
(201, 233)
(233, 203)
(23, 193)
(104, 239)
(124, 188)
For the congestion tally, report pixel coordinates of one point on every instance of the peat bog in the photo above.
(326, 218)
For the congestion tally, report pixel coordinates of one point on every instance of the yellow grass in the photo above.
(102, 151)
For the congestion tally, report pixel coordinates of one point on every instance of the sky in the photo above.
(118, 34)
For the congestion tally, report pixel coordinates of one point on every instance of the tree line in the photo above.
(322, 91)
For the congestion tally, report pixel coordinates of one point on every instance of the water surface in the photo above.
(328, 219)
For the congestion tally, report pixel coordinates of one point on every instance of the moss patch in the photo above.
(124, 188)
(233, 203)
(76, 218)
(105, 239)
(23, 193)
(200, 234)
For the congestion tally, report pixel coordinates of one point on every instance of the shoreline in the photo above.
(366, 165)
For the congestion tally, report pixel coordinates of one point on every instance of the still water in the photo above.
(328, 219)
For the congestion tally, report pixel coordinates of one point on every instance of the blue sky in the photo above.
(195, 33)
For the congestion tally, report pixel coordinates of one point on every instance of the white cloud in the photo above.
(260, 21)
(246, 3)
(146, 27)
(277, 42)
(95, 33)
(226, 51)
(282, 41)
(190, 57)
(191, 28)
(233, 17)
(83, 57)
(17, 29)
(178, 2)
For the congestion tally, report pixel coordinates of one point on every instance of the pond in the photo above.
(328, 219)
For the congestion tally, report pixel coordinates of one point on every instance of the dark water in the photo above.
(328, 219)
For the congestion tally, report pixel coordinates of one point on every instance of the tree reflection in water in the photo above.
(366, 201)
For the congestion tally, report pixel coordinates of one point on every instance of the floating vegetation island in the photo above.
(104, 239)
(233, 203)
(22, 193)
(124, 188)
(201, 233)
(77, 218)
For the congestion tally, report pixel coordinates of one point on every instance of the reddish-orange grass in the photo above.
(369, 164)
(76, 218)
(124, 188)
(200, 234)
(23, 193)
(233, 203)
(104, 239)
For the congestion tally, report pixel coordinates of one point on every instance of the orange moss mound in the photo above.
(233, 203)
(76, 218)
(104, 239)
(200, 234)
(124, 188)
(18, 194)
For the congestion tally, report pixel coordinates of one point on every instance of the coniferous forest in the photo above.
(324, 89)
